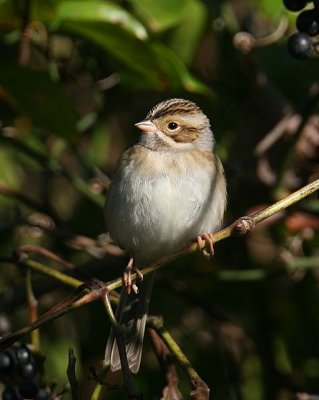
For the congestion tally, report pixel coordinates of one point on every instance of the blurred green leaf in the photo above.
(178, 72)
(10, 171)
(58, 350)
(252, 378)
(272, 8)
(41, 99)
(121, 45)
(100, 11)
(160, 15)
(186, 35)
(282, 359)
(98, 152)
(155, 65)
(87, 121)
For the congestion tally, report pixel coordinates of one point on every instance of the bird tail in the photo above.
(131, 315)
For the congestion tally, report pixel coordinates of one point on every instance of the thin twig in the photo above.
(119, 337)
(291, 121)
(50, 272)
(241, 226)
(100, 384)
(286, 202)
(108, 306)
(246, 41)
(66, 306)
(74, 383)
(27, 249)
(171, 390)
(33, 311)
(200, 388)
(277, 132)
(25, 41)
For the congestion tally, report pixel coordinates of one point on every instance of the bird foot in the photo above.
(127, 280)
(206, 244)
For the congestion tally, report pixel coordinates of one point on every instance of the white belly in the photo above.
(154, 215)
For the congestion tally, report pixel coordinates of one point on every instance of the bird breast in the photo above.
(159, 202)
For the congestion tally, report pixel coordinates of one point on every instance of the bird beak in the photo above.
(146, 126)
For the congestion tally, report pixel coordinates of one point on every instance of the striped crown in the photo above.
(173, 106)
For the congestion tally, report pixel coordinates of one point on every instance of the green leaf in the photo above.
(100, 11)
(160, 15)
(10, 171)
(179, 75)
(99, 150)
(125, 48)
(272, 8)
(152, 65)
(186, 36)
(42, 100)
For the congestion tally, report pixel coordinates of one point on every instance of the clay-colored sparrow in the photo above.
(168, 190)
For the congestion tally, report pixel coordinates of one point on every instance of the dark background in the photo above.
(74, 78)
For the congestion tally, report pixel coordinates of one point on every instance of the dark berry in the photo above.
(295, 5)
(42, 394)
(7, 361)
(300, 45)
(23, 355)
(10, 393)
(28, 389)
(306, 22)
(27, 371)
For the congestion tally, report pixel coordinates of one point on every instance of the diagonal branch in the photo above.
(165, 357)
(242, 226)
(200, 389)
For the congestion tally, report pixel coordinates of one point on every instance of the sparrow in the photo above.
(168, 190)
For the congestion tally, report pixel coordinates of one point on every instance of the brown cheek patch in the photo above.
(186, 135)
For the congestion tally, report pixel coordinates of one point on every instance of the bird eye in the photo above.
(172, 126)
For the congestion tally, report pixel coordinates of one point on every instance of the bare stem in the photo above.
(98, 389)
(27, 249)
(96, 294)
(201, 390)
(230, 230)
(52, 273)
(33, 311)
(116, 331)
(73, 380)
(66, 306)
(286, 202)
(164, 355)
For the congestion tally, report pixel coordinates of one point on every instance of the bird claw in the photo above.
(206, 245)
(127, 280)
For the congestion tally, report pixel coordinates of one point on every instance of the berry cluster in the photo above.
(19, 372)
(300, 44)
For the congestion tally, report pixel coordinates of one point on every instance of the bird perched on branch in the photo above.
(169, 190)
